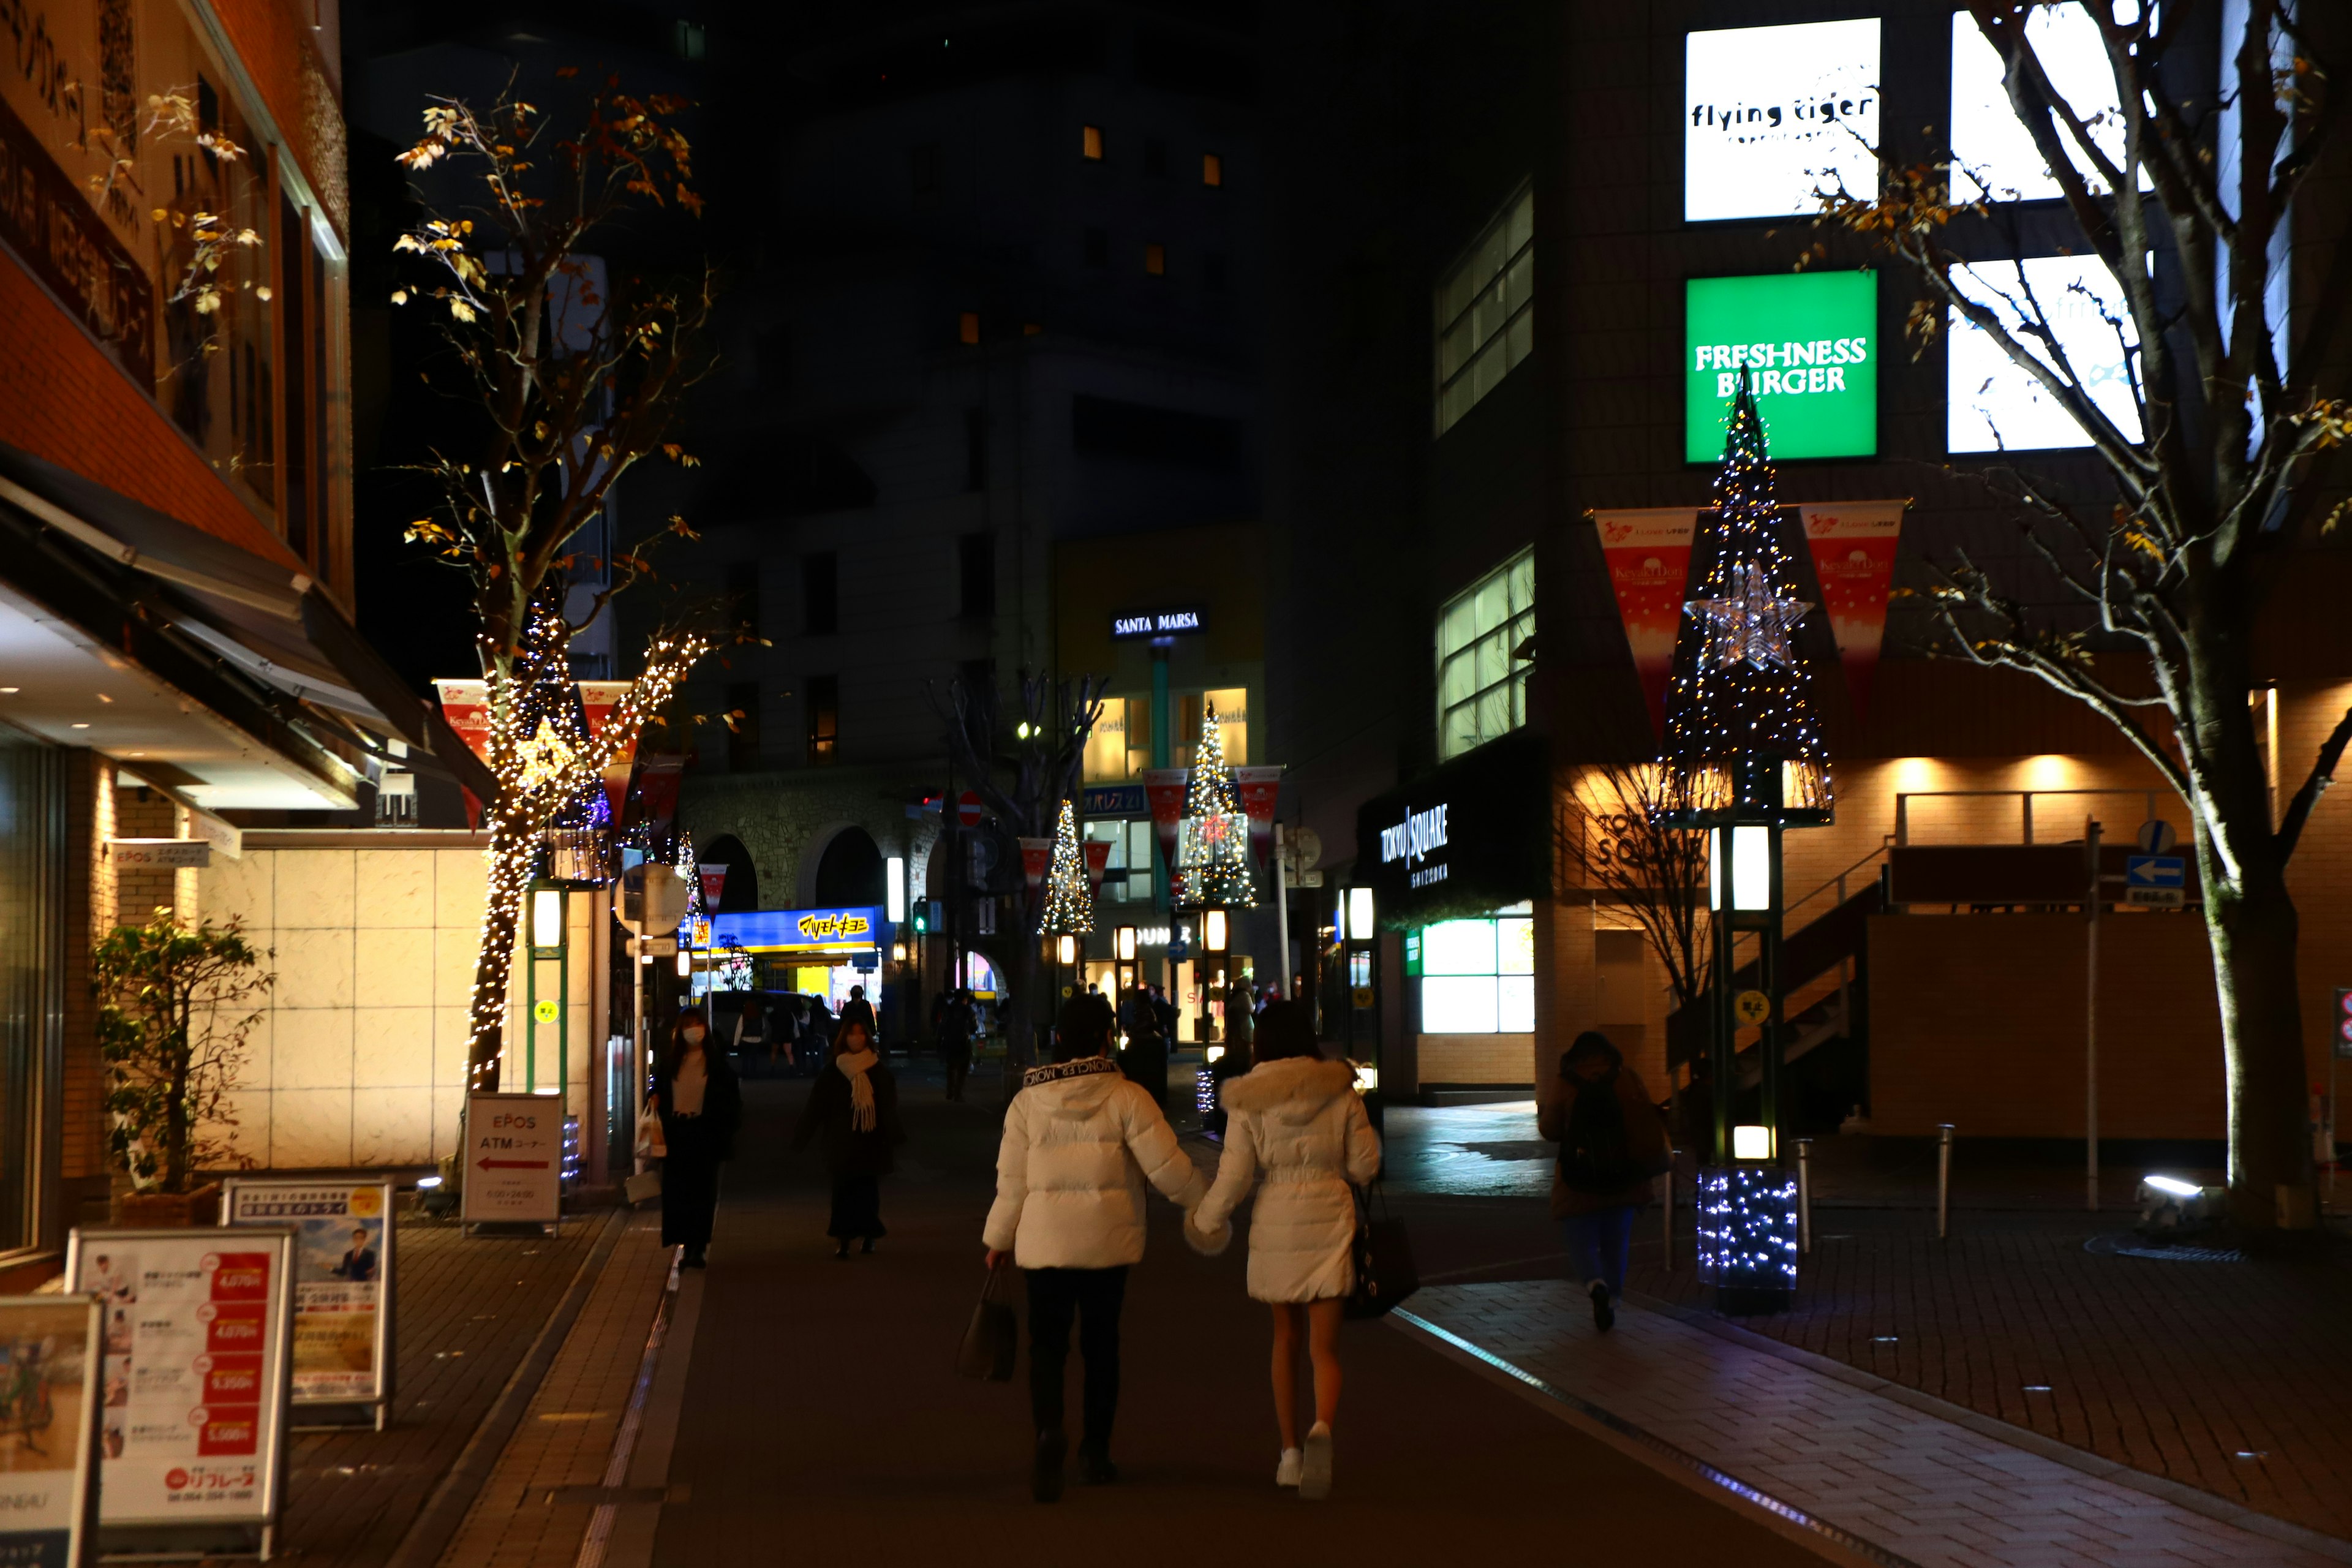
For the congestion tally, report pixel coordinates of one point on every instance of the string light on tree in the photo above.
(1212, 861)
(1069, 901)
(1739, 689)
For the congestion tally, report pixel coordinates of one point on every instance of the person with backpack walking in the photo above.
(1296, 1120)
(1612, 1145)
(1080, 1142)
(854, 1106)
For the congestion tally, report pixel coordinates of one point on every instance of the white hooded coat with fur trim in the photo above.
(1298, 1129)
(1080, 1142)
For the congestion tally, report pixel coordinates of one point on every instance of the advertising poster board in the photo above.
(193, 1422)
(343, 1274)
(50, 1348)
(514, 1160)
(1809, 342)
(1773, 114)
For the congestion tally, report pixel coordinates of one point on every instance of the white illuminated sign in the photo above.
(1993, 154)
(1410, 842)
(1772, 114)
(1994, 404)
(1160, 624)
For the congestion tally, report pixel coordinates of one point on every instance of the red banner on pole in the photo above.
(1036, 859)
(598, 699)
(659, 778)
(466, 705)
(714, 881)
(1852, 546)
(1259, 788)
(1164, 789)
(1648, 553)
(1097, 861)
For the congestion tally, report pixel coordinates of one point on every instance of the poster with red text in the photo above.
(465, 706)
(1164, 789)
(1648, 553)
(193, 1402)
(598, 699)
(1098, 853)
(1852, 546)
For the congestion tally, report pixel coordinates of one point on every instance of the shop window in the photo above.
(1155, 259)
(1105, 754)
(1090, 143)
(1212, 169)
(822, 701)
(819, 594)
(1483, 657)
(1126, 876)
(32, 980)
(976, 574)
(1477, 976)
(1232, 726)
(1486, 311)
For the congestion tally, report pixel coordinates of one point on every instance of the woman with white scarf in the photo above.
(853, 1107)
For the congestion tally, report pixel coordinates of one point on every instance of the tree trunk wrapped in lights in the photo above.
(1740, 690)
(1212, 860)
(1069, 897)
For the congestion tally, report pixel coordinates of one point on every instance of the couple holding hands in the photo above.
(1080, 1143)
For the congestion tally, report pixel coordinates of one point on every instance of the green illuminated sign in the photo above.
(1811, 342)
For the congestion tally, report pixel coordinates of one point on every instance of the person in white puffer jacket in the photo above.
(1297, 1129)
(1080, 1142)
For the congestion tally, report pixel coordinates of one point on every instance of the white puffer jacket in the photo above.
(1299, 1126)
(1080, 1140)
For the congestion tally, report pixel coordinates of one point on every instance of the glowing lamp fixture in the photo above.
(2174, 1186)
(894, 896)
(547, 917)
(1066, 948)
(1360, 914)
(1751, 868)
(1752, 1143)
(1368, 1079)
(1125, 937)
(1214, 1053)
(685, 962)
(1212, 930)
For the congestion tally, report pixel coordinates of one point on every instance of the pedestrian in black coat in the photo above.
(854, 1108)
(700, 1103)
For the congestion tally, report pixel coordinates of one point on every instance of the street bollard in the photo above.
(1666, 1231)
(1944, 1180)
(1804, 1194)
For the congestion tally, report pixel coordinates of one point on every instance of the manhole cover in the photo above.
(2131, 1244)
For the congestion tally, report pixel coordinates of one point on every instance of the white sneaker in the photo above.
(1286, 1474)
(1315, 1471)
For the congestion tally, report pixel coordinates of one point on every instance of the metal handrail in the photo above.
(1903, 798)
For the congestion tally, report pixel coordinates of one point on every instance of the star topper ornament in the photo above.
(1752, 623)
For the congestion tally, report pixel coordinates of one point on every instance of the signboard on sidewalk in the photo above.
(514, 1160)
(193, 1418)
(342, 1281)
(50, 1349)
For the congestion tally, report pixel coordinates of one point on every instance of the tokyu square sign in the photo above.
(1809, 341)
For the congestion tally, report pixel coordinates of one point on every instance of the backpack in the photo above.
(1594, 1152)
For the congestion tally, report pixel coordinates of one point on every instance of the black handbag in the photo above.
(992, 1340)
(1385, 1275)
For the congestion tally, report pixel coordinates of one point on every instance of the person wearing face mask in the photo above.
(702, 1104)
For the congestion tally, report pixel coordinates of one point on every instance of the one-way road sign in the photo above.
(2160, 880)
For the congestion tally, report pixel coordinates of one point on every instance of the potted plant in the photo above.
(172, 1021)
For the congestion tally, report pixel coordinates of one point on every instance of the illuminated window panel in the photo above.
(1486, 311)
(1481, 679)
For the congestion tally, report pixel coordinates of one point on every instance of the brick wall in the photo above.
(140, 890)
(1979, 1020)
(1503, 1059)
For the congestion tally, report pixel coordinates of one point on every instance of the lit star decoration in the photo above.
(1069, 901)
(1212, 863)
(543, 774)
(1739, 689)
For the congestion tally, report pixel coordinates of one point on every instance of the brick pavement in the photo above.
(2229, 1377)
(536, 1506)
(1932, 1490)
(464, 1326)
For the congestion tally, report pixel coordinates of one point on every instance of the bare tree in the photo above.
(1612, 831)
(2211, 481)
(1023, 778)
(575, 382)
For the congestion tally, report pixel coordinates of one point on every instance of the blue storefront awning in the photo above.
(850, 929)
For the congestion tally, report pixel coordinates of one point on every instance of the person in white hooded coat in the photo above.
(1081, 1141)
(1298, 1132)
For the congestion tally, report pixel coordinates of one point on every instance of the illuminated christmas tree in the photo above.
(1070, 899)
(1213, 864)
(1740, 690)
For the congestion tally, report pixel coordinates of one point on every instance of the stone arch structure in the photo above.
(841, 864)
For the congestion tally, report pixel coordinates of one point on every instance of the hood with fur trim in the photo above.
(1293, 1090)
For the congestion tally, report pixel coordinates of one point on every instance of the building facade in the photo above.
(1516, 259)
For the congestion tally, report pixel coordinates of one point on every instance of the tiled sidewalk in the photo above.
(1884, 1466)
(536, 1506)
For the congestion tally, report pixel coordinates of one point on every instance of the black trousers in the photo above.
(857, 1207)
(957, 1055)
(1092, 1297)
(690, 1174)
